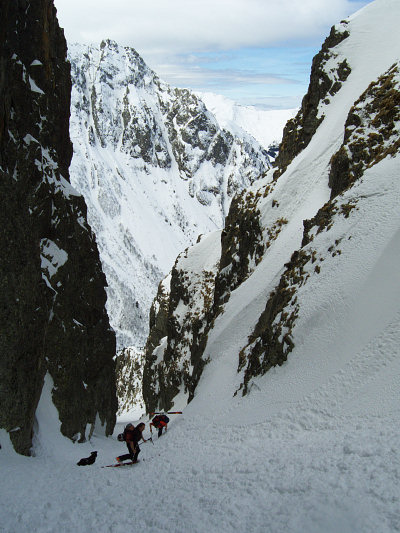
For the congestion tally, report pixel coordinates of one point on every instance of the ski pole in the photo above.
(167, 413)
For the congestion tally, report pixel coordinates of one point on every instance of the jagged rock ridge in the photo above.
(179, 315)
(52, 297)
(328, 72)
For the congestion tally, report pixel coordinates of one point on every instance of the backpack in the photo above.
(160, 418)
(156, 420)
(122, 436)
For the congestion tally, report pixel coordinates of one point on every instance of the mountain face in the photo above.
(303, 274)
(156, 170)
(52, 297)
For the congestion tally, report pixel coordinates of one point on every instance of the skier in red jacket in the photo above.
(159, 422)
(132, 437)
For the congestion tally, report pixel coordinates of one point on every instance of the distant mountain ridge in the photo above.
(265, 125)
(156, 170)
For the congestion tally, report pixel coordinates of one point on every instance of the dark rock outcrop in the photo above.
(241, 246)
(52, 297)
(376, 111)
(129, 372)
(158, 331)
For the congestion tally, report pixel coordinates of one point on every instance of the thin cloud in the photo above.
(182, 25)
(216, 76)
(215, 45)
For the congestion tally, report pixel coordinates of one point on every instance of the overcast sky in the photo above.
(256, 52)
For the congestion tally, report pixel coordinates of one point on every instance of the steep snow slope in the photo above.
(308, 291)
(156, 170)
(350, 303)
(364, 220)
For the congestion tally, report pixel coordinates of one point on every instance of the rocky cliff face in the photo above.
(52, 297)
(156, 170)
(129, 372)
(285, 235)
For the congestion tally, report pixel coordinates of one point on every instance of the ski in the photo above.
(168, 413)
(130, 463)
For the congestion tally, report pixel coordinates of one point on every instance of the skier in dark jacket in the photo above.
(132, 437)
(159, 422)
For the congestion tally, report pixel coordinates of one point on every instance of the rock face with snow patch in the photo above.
(156, 170)
(129, 371)
(291, 245)
(371, 132)
(52, 297)
(328, 72)
(174, 352)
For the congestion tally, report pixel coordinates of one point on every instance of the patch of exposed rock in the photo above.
(327, 75)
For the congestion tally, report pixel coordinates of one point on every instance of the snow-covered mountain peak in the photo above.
(113, 64)
(156, 169)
